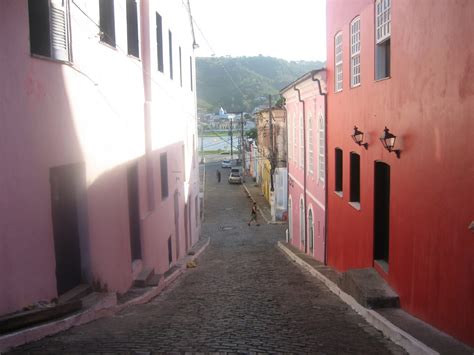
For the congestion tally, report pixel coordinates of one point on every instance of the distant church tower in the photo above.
(222, 112)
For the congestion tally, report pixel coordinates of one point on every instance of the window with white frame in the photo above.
(310, 145)
(355, 52)
(338, 61)
(322, 153)
(290, 140)
(295, 149)
(382, 20)
(382, 39)
(301, 142)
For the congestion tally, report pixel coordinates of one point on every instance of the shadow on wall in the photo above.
(123, 227)
(55, 231)
(42, 181)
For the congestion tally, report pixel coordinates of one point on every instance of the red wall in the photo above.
(428, 102)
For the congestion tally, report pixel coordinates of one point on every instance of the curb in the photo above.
(203, 189)
(391, 331)
(258, 207)
(106, 307)
(260, 210)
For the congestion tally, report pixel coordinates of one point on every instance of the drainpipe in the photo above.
(147, 91)
(326, 183)
(304, 168)
(287, 176)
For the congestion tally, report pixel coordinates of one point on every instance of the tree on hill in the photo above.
(241, 83)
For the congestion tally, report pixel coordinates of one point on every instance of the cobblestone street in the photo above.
(244, 296)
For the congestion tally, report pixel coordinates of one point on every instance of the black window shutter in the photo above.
(40, 42)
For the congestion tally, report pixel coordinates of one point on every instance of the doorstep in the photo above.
(97, 305)
(414, 335)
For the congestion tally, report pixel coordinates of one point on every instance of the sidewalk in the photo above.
(98, 305)
(202, 187)
(256, 195)
(414, 335)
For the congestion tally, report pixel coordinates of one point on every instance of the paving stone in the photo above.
(245, 296)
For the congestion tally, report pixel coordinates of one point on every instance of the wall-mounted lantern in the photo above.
(358, 137)
(388, 140)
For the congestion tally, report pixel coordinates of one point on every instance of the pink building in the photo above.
(305, 105)
(99, 174)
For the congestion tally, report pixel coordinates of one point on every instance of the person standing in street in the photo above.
(218, 173)
(253, 214)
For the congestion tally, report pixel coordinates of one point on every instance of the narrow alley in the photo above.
(244, 296)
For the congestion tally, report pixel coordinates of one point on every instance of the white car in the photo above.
(235, 178)
(226, 164)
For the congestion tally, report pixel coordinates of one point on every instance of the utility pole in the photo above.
(242, 145)
(202, 144)
(231, 141)
(272, 160)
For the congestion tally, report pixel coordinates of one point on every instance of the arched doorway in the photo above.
(311, 231)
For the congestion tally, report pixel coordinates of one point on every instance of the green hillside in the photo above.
(256, 77)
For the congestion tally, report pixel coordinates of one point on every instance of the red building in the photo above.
(409, 67)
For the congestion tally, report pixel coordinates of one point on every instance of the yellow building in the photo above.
(264, 167)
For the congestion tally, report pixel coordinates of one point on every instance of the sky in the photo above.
(291, 30)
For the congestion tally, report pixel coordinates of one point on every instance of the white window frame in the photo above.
(321, 149)
(310, 145)
(295, 148)
(290, 137)
(338, 61)
(382, 20)
(355, 52)
(301, 142)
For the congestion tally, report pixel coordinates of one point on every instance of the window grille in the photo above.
(338, 61)
(382, 20)
(355, 52)
(322, 153)
(301, 142)
(310, 145)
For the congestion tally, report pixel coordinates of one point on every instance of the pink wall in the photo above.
(315, 189)
(158, 225)
(57, 114)
(26, 243)
(428, 102)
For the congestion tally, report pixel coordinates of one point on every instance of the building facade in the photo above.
(100, 178)
(404, 209)
(272, 159)
(305, 106)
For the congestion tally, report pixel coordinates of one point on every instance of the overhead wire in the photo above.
(134, 61)
(218, 61)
